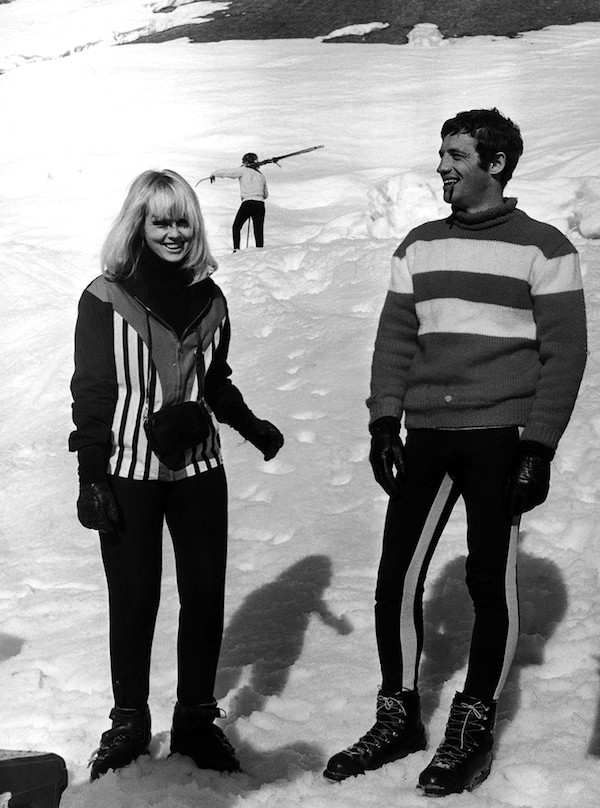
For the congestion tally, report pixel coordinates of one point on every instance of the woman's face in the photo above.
(170, 239)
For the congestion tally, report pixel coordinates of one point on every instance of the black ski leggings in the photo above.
(249, 209)
(443, 465)
(195, 510)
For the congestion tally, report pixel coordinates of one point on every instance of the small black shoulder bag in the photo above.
(173, 430)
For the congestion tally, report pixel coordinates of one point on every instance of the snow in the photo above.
(306, 528)
(357, 30)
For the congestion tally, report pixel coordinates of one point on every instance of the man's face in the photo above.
(467, 186)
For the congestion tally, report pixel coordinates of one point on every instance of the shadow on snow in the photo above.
(449, 621)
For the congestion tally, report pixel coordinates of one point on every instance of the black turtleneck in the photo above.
(168, 291)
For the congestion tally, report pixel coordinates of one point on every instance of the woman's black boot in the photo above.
(128, 738)
(464, 758)
(397, 732)
(195, 735)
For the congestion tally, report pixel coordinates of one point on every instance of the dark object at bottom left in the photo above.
(33, 779)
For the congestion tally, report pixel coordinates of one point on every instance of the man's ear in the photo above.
(497, 163)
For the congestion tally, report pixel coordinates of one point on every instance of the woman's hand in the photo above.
(262, 434)
(96, 507)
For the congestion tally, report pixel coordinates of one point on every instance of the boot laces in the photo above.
(391, 716)
(109, 740)
(465, 723)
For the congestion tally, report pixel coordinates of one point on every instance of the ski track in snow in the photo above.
(298, 672)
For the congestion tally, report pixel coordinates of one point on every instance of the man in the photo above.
(253, 190)
(481, 347)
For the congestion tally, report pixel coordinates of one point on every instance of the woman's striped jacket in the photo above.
(128, 363)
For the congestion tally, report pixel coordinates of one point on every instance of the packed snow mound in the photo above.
(406, 200)
(400, 203)
(425, 34)
(586, 212)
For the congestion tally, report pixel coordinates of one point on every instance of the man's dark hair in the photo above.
(493, 133)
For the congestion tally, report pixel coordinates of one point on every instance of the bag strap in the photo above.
(200, 366)
(147, 412)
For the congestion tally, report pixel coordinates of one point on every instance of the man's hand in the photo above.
(96, 507)
(387, 453)
(529, 478)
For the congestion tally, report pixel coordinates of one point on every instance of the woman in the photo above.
(151, 381)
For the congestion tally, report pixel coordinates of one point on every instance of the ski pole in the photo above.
(211, 178)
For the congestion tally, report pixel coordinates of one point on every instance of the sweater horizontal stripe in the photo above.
(473, 286)
(526, 263)
(455, 316)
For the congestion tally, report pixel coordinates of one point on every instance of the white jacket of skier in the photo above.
(253, 185)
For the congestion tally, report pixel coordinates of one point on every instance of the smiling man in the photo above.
(481, 348)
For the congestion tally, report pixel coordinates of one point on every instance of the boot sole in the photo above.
(440, 791)
(338, 777)
(96, 775)
(213, 765)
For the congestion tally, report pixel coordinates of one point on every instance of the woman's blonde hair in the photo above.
(167, 195)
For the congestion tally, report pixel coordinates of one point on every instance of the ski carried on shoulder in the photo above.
(284, 156)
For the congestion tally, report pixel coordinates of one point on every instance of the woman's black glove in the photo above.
(96, 507)
(262, 434)
(387, 453)
(528, 478)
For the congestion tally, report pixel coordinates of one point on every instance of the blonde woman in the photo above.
(151, 383)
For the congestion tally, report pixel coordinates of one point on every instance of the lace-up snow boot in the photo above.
(397, 732)
(194, 734)
(464, 758)
(128, 738)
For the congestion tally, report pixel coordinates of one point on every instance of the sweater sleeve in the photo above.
(228, 173)
(93, 387)
(395, 343)
(559, 313)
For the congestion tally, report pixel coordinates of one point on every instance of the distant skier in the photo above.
(253, 190)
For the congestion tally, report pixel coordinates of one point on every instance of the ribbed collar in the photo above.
(485, 218)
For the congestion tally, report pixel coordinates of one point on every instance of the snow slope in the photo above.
(298, 672)
(34, 30)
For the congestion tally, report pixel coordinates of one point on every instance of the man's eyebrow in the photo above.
(453, 150)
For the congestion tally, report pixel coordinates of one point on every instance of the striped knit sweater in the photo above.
(483, 326)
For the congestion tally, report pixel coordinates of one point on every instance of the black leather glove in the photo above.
(262, 434)
(528, 478)
(387, 453)
(96, 507)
